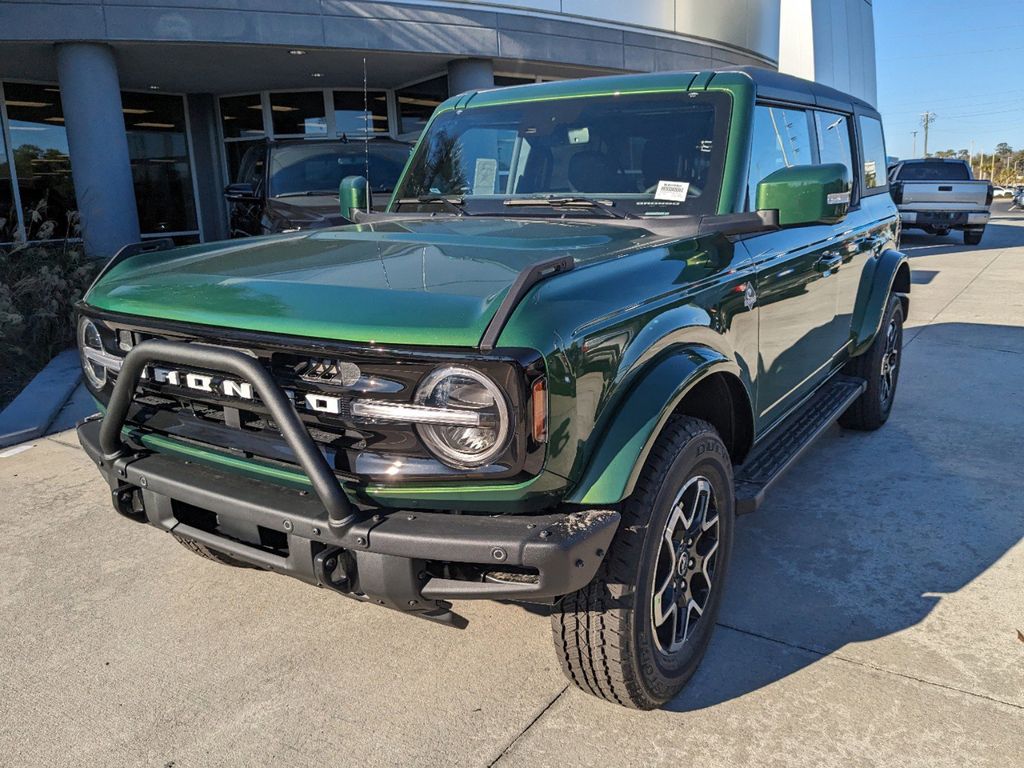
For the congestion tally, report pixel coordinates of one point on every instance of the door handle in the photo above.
(829, 261)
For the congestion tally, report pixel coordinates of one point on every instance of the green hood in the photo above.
(431, 281)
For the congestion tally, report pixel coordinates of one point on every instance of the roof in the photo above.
(768, 83)
(931, 160)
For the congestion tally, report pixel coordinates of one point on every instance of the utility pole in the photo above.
(927, 119)
(914, 134)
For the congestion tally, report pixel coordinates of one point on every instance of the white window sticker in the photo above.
(672, 190)
(485, 175)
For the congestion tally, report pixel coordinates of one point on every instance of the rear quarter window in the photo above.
(873, 146)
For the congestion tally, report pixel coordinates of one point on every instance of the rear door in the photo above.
(796, 292)
(857, 239)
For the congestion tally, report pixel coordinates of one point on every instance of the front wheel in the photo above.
(636, 634)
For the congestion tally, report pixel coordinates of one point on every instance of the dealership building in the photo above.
(123, 120)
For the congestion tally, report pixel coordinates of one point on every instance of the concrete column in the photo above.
(91, 98)
(206, 159)
(469, 75)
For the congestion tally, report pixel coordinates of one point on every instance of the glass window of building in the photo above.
(159, 155)
(42, 168)
(503, 81)
(874, 154)
(298, 114)
(417, 103)
(8, 210)
(242, 116)
(350, 118)
(781, 139)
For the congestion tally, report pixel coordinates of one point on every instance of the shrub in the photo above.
(39, 285)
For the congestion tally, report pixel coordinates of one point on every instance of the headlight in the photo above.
(96, 361)
(481, 433)
(90, 348)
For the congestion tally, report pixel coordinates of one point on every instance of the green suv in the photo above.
(595, 322)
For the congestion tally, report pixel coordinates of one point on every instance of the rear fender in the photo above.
(890, 274)
(637, 420)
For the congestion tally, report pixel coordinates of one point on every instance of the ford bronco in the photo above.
(596, 320)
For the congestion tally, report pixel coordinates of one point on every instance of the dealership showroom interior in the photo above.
(647, 376)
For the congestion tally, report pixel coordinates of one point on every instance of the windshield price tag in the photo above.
(672, 190)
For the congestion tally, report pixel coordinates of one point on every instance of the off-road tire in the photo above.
(871, 410)
(973, 236)
(211, 554)
(603, 633)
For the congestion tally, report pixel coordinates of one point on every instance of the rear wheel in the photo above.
(973, 236)
(636, 634)
(880, 368)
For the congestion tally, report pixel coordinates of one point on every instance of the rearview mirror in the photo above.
(354, 195)
(806, 194)
(240, 192)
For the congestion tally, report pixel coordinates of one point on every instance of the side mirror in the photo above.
(240, 192)
(353, 195)
(806, 194)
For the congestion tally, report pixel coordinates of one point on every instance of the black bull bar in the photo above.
(339, 511)
(385, 549)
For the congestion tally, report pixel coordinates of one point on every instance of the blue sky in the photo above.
(962, 60)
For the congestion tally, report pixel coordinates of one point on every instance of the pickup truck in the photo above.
(937, 195)
(596, 322)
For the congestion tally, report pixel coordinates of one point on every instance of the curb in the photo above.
(34, 409)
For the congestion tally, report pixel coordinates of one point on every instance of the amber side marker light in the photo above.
(540, 410)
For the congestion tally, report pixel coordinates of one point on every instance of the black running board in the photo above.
(789, 440)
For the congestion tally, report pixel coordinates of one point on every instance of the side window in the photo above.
(781, 139)
(874, 154)
(834, 141)
(251, 168)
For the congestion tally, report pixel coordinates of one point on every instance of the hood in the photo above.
(431, 281)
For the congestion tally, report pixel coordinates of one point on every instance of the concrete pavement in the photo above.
(871, 617)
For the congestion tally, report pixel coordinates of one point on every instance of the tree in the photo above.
(1003, 149)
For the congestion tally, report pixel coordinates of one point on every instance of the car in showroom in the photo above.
(597, 320)
(284, 185)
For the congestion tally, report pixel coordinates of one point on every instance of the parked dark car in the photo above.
(293, 184)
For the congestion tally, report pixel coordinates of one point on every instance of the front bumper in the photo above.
(388, 558)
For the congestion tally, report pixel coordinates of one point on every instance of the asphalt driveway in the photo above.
(872, 617)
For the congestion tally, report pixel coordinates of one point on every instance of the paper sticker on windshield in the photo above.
(672, 190)
(485, 174)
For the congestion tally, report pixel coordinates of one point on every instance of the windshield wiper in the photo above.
(605, 206)
(310, 193)
(454, 204)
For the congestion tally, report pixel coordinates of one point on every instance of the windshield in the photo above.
(298, 169)
(648, 154)
(934, 172)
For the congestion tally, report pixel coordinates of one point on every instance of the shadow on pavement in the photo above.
(868, 533)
